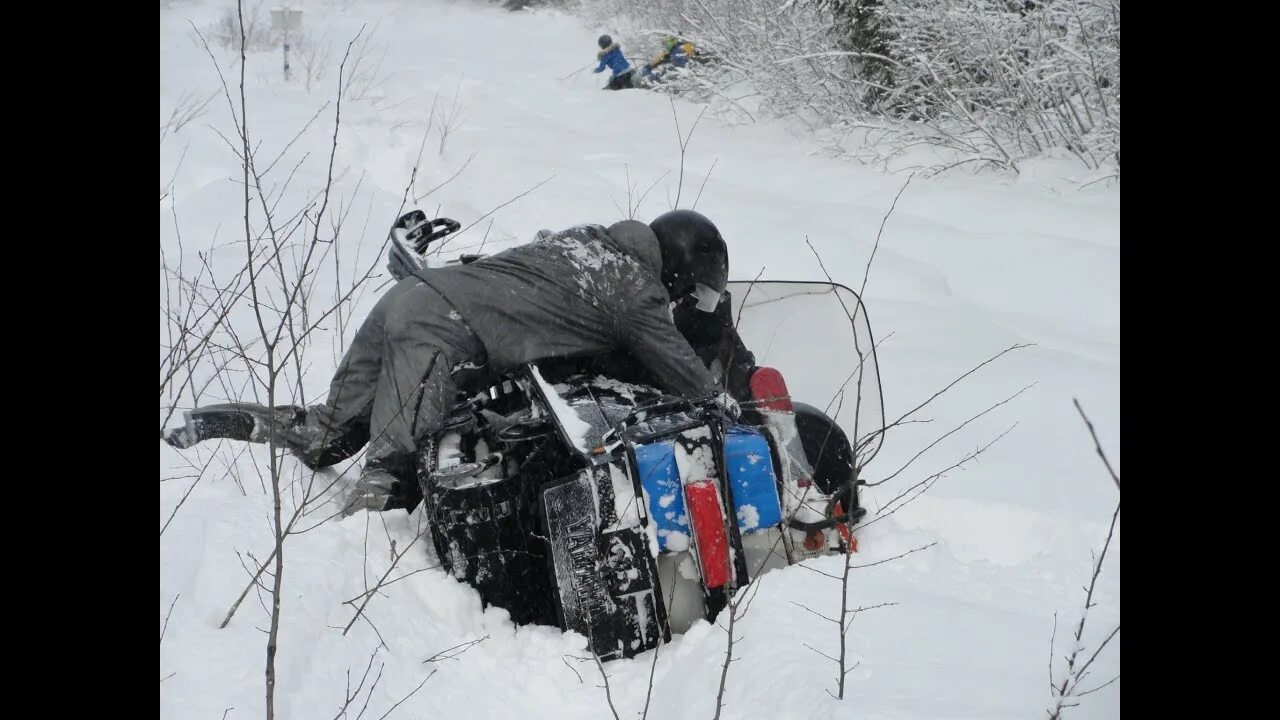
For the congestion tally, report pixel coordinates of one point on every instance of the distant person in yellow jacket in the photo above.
(675, 53)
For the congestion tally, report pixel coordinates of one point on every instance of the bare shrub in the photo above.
(258, 35)
(313, 56)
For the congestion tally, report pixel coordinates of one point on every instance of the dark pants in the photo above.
(397, 378)
(621, 81)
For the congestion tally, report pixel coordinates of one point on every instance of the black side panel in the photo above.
(480, 539)
(606, 583)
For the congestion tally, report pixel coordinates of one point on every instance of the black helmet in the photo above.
(604, 41)
(695, 258)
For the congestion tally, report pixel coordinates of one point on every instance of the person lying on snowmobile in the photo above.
(585, 290)
(675, 53)
(611, 56)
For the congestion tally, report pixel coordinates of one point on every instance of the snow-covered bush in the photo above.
(1008, 79)
(745, 40)
(992, 80)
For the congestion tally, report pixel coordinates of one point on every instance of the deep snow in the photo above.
(967, 265)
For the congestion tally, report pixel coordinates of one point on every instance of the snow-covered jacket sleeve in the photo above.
(650, 335)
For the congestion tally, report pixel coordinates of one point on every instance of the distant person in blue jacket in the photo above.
(611, 57)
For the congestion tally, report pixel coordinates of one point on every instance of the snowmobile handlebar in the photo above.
(706, 403)
(423, 235)
(419, 232)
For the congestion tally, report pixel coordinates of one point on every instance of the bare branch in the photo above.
(1094, 656)
(449, 179)
(351, 696)
(183, 500)
(1097, 445)
(728, 651)
(895, 557)
(948, 434)
(1073, 675)
(442, 245)
(575, 672)
(705, 178)
(834, 660)
(1017, 346)
(854, 613)
(448, 654)
(653, 664)
(406, 697)
(683, 140)
(867, 273)
(814, 612)
(1053, 635)
(608, 693)
(252, 581)
(816, 570)
(381, 581)
(1086, 692)
(165, 627)
(928, 482)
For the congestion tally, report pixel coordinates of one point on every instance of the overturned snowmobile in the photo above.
(575, 494)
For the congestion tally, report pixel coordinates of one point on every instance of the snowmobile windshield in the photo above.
(818, 336)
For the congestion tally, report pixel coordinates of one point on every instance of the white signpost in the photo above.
(286, 20)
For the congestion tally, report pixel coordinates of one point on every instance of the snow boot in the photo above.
(373, 491)
(310, 442)
(388, 482)
(248, 422)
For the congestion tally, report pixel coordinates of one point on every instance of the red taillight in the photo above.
(703, 503)
(769, 390)
(849, 540)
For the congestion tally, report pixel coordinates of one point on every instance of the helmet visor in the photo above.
(708, 297)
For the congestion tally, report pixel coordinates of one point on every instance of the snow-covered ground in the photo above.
(967, 265)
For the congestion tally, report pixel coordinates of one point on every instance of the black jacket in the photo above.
(715, 339)
(581, 291)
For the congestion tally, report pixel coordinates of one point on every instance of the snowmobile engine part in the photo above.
(462, 476)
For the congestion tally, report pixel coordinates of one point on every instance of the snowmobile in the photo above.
(573, 493)
(560, 491)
